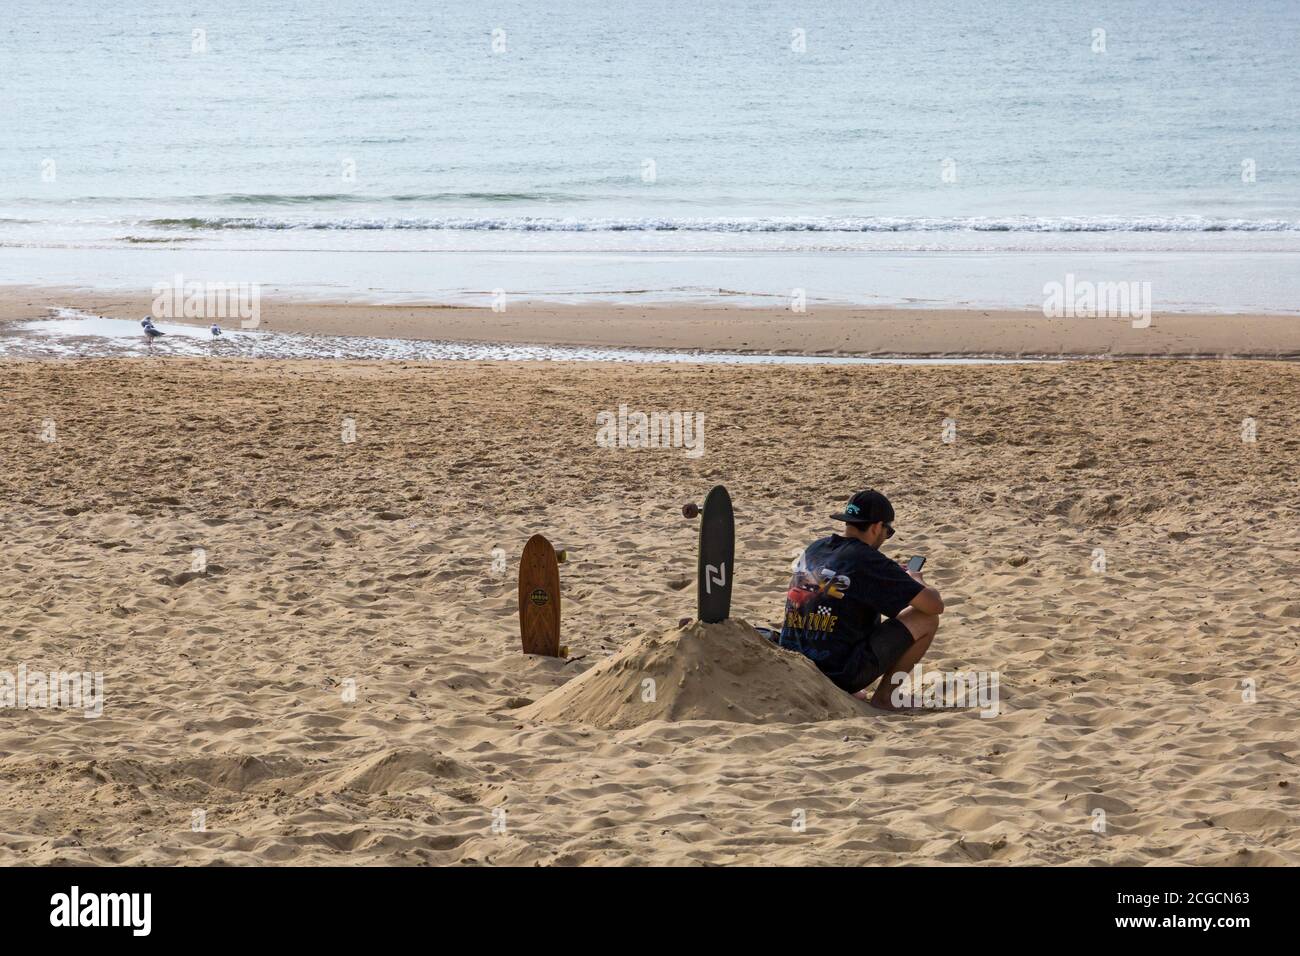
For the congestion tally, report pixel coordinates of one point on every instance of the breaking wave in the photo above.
(850, 224)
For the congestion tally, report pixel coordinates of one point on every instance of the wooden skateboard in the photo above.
(539, 597)
(717, 555)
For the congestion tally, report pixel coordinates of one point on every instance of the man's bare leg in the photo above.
(922, 627)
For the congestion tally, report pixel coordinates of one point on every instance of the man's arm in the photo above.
(928, 600)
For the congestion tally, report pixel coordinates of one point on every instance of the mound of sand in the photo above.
(721, 671)
(402, 770)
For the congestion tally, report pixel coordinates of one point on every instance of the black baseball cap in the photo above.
(866, 507)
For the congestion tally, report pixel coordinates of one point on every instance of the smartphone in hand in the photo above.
(916, 563)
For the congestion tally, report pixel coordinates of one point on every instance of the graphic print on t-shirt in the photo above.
(807, 609)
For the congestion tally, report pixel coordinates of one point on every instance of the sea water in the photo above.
(861, 151)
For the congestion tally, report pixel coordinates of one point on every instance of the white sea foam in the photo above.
(745, 224)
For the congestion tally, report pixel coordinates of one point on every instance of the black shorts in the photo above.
(883, 647)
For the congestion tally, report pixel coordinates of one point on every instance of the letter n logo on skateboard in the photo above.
(714, 574)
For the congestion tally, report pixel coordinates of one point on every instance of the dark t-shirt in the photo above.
(837, 595)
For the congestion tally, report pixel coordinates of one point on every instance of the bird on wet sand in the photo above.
(150, 332)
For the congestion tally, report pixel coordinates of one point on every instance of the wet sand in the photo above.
(821, 330)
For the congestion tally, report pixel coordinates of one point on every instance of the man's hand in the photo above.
(929, 600)
(914, 575)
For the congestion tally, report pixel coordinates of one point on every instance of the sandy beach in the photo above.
(1159, 695)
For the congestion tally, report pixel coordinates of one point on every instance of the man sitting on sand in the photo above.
(841, 588)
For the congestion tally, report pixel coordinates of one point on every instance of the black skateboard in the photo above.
(717, 555)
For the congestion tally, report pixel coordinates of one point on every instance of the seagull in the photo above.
(150, 333)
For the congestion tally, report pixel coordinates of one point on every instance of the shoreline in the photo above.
(823, 331)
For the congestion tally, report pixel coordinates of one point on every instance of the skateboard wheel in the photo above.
(691, 510)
